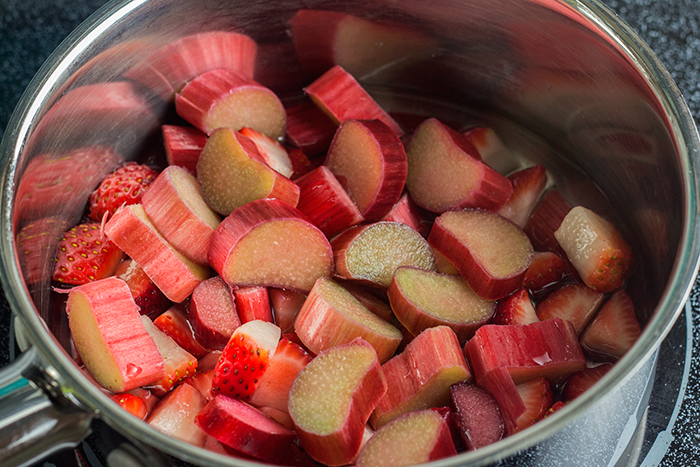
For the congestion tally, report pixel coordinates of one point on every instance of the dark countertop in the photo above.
(31, 29)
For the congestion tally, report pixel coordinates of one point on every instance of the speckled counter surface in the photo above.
(31, 29)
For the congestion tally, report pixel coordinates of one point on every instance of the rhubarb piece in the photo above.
(406, 212)
(301, 165)
(371, 253)
(420, 377)
(126, 185)
(491, 253)
(175, 415)
(244, 428)
(545, 348)
(423, 299)
(308, 128)
(183, 145)
(342, 98)
(537, 396)
(213, 313)
(546, 271)
(225, 99)
(429, 435)
(492, 150)
(85, 255)
(596, 249)
(132, 404)
(150, 300)
(545, 219)
(231, 173)
(175, 275)
(369, 160)
(272, 152)
(245, 359)
(325, 203)
(501, 386)
(332, 316)
(583, 380)
(375, 304)
(253, 303)
(528, 186)
(515, 309)
(575, 303)
(110, 338)
(445, 173)
(180, 365)
(614, 330)
(251, 247)
(285, 307)
(444, 265)
(477, 416)
(175, 205)
(332, 398)
(284, 366)
(174, 323)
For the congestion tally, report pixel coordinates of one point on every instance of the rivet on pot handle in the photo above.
(33, 424)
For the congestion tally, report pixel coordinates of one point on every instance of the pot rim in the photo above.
(48, 80)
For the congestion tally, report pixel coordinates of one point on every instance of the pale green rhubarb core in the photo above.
(322, 394)
(499, 246)
(188, 189)
(256, 108)
(376, 253)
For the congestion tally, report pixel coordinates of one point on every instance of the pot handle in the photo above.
(35, 423)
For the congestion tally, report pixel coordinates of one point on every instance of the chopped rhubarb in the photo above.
(175, 415)
(477, 415)
(308, 128)
(420, 377)
(545, 219)
(371, 253)
(332, 316)
(491, 253)
(445, 173)
(183, 145)
(369, 160)
(406, 212)
(423, 299)
(213, 313)
(110, 338)
(501, 386)
(225, 99)
(253, 303)
(575, 303)
(614, 330)
(285, 306)
(374, 302)
(528, 186)
(332, 398)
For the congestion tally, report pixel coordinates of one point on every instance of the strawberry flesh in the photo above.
(240, 368)
(85, 255)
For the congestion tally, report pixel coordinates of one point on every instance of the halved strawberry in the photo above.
(558, 405)
(545, 272)
(582, 380)
(537, 397)
(147, 296)
(614, 330)
(131, 403)
(174, 323)
(515, 309)
(85, 255)
(528, 186)
(575, 303)
(545, 219)
(123, 186)
(245, 359)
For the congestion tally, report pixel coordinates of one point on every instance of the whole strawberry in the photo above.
(85, 255)
(125, 185)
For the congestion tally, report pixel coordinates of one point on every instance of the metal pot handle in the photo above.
(35, 423)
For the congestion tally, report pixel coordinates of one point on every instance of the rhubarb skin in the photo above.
(183, 145)
(175, 275)
(331, 431)
(369, 160)
(331, 316)
(546, 348)
(174, 203)
(406, 212)
(490, 252)
(342, 98)
(420, 377)
(224, 99)
(308, 128)
(253, 303)
(510, 404)
(251, 248)
(325, 203)
(110, 338)
(213, 313)
(476, 414)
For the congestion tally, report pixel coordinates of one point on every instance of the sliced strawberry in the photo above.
(174, 323)
(582, 380)
(558, 405)
(546, 270)
(573, 302)
(245, 359)
(132, 404)
(180, 365)
(614, 330)
(85, 255)
(147, 296)
(515, 309)
(528, 186)
(537, 397)
(545, 219)
(123, 186)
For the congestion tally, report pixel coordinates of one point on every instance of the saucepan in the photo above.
(564, 83)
